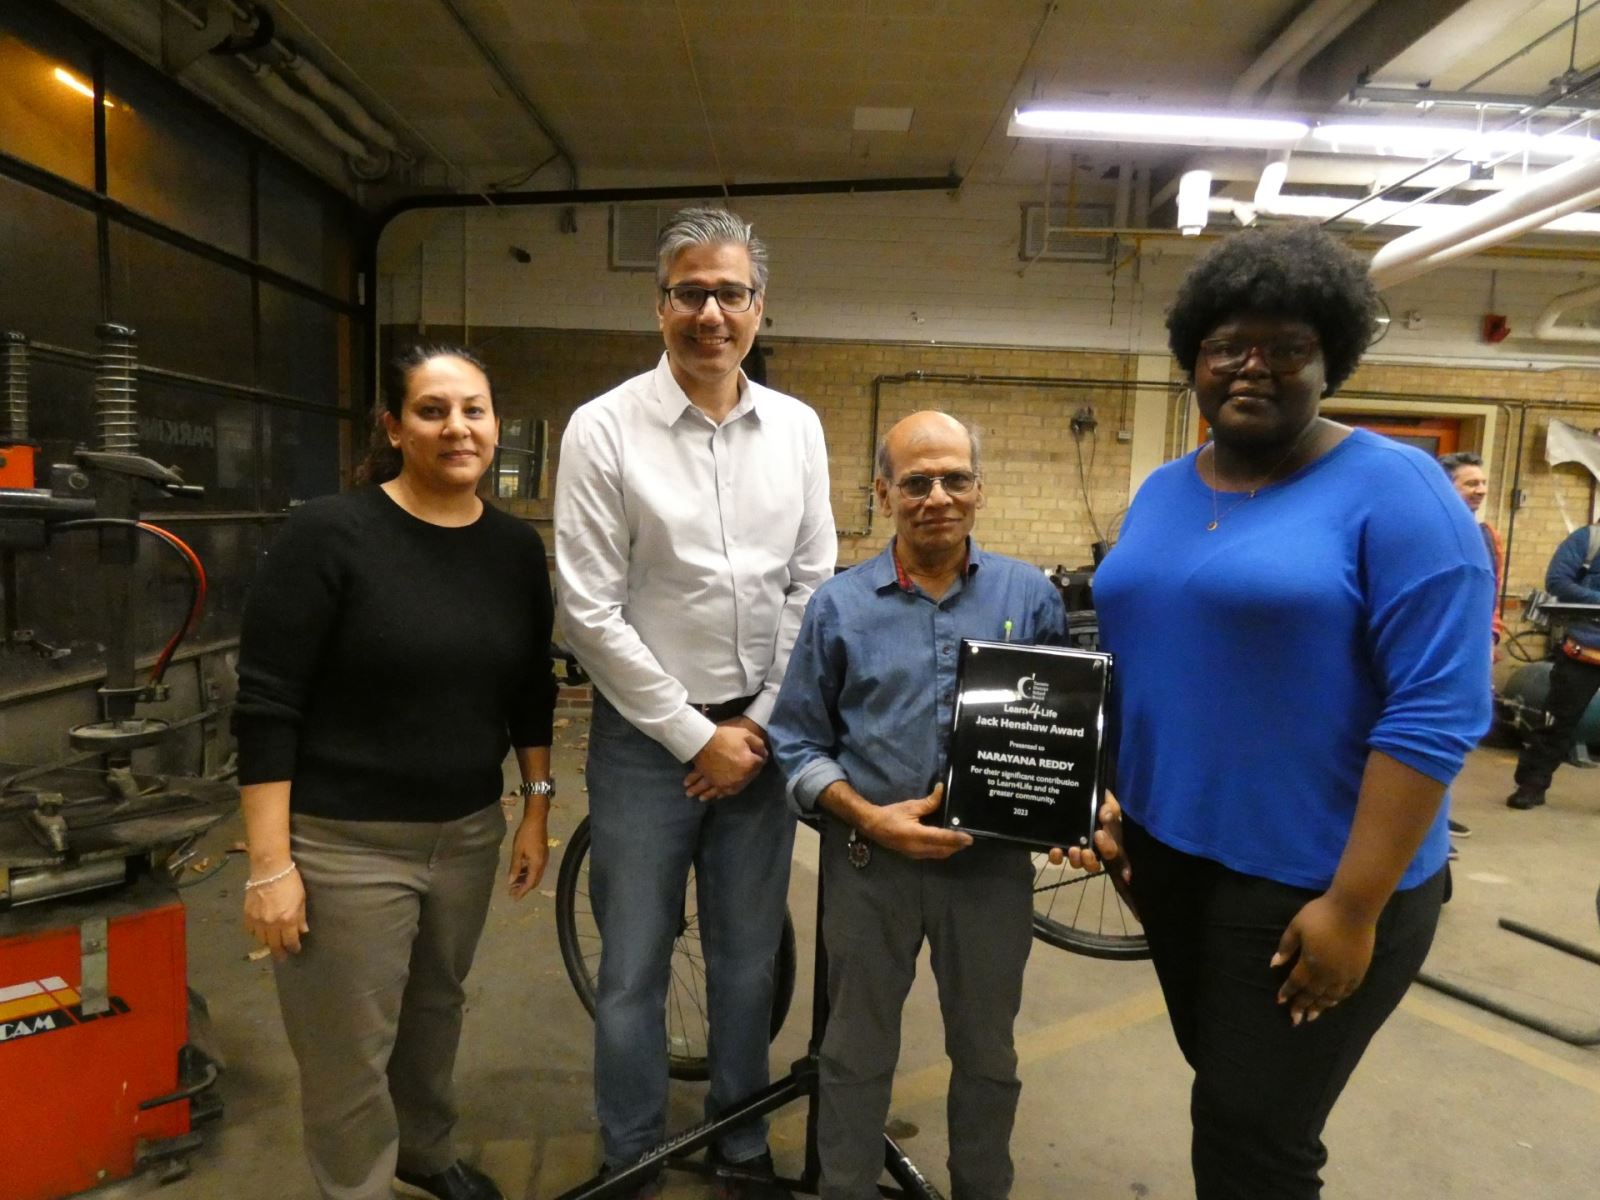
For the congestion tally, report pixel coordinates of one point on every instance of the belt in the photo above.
(724, 710)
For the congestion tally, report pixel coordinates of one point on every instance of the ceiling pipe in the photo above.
(365, 162)
(1545, 328)
(316, 81)
(355, 150)
(1497, 218)
(218, 82)
(1300, 33)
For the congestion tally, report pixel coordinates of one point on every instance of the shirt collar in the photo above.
(886, 573)
(675, 401)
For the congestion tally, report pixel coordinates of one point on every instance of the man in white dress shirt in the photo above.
(692, 525)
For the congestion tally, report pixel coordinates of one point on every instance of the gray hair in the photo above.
(882, 466)
(709, 227)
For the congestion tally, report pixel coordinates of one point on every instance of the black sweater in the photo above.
(386, 664)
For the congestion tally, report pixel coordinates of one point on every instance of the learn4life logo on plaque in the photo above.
(1027, 748)
(1031, 687)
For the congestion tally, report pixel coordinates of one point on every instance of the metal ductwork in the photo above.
(1568, 188)
(1545, 328)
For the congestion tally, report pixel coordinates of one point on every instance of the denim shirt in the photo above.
(869, 695)
(1567, 581)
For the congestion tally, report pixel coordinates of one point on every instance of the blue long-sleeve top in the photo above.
(1566, 579)
(870, 691)
(1257, 665)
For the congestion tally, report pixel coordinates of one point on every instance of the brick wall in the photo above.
(1035, 500)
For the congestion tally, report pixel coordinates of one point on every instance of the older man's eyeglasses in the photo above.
(690, 298)
(955, 483)
(1282, 356)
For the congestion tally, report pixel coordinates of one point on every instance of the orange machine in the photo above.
(93, 1025)
(16, 465)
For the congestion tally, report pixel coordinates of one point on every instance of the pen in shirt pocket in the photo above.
(1007, 629)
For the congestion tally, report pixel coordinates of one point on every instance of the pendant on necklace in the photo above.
(1211, 526)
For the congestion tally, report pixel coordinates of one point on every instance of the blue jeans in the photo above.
(646, 834)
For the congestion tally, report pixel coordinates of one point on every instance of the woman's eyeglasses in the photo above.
(1282, 357)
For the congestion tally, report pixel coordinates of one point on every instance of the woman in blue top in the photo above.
(1296, 611)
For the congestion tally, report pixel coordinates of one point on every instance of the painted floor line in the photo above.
(1493, 1039)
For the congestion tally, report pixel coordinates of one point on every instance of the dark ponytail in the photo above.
(382, 462)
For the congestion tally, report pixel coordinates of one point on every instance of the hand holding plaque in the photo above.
(1028, 745)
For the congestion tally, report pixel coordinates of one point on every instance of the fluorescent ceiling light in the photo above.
(1467, 144)
(1166, 128)
(72, 81)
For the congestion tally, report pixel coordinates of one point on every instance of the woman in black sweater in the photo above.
(396, 642)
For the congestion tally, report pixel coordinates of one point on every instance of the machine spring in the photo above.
(115, 390)
(13, 386)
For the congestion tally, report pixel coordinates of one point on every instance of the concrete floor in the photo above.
(1450, 1101)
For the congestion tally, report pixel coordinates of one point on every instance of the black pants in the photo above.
(1572, 685)
(1262, 1087)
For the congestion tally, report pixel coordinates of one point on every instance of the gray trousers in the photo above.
(372, 1003)
(976, 910)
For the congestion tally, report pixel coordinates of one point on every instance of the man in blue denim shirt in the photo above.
(1573, 577)
(862, 730)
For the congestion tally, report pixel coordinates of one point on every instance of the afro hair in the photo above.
(1293, 271)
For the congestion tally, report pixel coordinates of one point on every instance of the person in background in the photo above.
(395, 645)
(692, 525)
(1573, 577)
(1296, 613)
(1471, 482)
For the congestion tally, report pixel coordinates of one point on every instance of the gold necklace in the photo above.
(1216, 517)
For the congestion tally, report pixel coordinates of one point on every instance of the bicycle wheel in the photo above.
(1073, 910)
(687, 1023)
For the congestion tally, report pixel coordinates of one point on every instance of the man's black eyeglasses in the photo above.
(1285, 357)
(956, 483)
(689, 298)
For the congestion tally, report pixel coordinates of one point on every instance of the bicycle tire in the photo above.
(1074, 910)
(579, 939)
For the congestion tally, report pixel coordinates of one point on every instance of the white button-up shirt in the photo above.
(686, 550)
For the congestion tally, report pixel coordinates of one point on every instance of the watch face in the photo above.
(858, 851)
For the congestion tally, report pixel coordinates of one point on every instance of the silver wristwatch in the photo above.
(537, 787)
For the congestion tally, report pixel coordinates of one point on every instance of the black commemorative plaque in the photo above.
(1027, 751)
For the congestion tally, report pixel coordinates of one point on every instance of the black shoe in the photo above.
(1525, 798)
(456, 1182)
(650, 1189)
(752, 1179)
(1457, 829)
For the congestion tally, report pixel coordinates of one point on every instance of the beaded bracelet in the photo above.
(283, 874)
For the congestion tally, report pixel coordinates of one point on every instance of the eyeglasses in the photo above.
(689, 298)
(1284, 357)
(956, 483)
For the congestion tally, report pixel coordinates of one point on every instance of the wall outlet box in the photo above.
(1124, 435)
